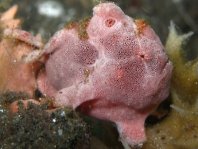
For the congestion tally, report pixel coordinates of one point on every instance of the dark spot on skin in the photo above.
(110, 22)
(125, 24)
(142, 55)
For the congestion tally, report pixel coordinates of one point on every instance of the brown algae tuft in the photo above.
(141, 24)
(80, 26)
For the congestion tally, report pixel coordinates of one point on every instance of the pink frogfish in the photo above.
(115, 69)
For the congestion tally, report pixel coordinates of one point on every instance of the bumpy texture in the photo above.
(14, 45)
(118, 71)
(33, 127)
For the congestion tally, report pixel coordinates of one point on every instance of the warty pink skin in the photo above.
(120, 73)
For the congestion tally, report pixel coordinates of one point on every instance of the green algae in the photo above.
(179, 129)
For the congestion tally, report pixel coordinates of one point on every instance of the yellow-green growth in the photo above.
(185, 73)
(179, 130)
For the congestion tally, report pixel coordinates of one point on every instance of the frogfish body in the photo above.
(111, 67)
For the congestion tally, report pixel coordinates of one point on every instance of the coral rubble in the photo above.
(33, 127)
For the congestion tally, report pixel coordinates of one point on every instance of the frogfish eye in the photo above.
(110, 22)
